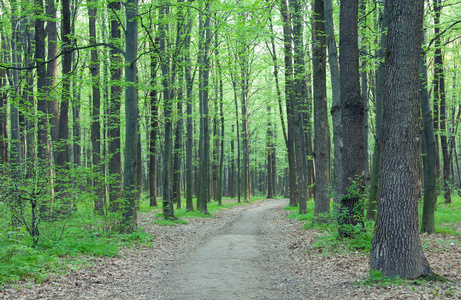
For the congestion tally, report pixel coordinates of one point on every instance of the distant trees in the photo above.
(205, 112)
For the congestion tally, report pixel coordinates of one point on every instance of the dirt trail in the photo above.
(247, 252)
(230, 265)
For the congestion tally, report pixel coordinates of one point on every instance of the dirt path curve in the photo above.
(231, 264)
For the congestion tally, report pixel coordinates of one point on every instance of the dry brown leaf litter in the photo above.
(298, 271)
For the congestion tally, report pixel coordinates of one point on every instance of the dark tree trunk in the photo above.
(131, 163)
(231, 176)
(298, 103)
(293, 189)
(352, 118)
(190, 128)
(168, 208)
(396, 247)
(219, 193)
(429, 151)
(336, 104)
(204, 170)
(113, 132)
(62, 155)
(440, 100)
(98, 186)
(51, 72)
(321, 128)
(153, 134)
(43, 154)
(178, 64)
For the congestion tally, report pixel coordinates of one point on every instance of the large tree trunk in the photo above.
(131, 163)
(396, 247)
(321, 128)
(352, 118)
(336, 104)
(95, 112)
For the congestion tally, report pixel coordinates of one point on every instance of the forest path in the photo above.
(231, 264)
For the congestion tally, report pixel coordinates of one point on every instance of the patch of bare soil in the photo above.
(270, 258)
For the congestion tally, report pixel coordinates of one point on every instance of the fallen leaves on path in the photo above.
(296, 269)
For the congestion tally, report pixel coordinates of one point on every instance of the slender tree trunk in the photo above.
(245, 133)
(62, 155)
(43, 154)
(115, 166)
(178, 63)
(168, 208)
(204, 176)
(190, 128)
(238, 176)
(95, 112)
(429, 151)
(376, 166)
(364, 91)
(273, 52)
(440, 99)
(396, 247)
(231, 177)
(293, 189)
(153, 133)
(221, 121)
(298, 105)
(52, 69)
(336, 104)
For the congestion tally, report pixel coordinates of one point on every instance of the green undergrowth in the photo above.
(447, 216)
(66, 244)
(62, 245)
(182, 214)
(447, 222)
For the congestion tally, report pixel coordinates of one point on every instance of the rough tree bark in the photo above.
(429, 151)
(352, 113)
(95, 112)
(298, 101)
(113, 132)
(321, 127)
(336, 104)
(440, 100)
(131, 164)
(293, 189)
(168, 208)
(396, 247)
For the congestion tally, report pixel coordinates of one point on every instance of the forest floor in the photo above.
(247, 252)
